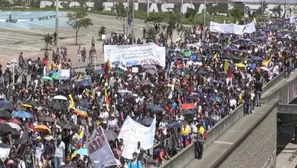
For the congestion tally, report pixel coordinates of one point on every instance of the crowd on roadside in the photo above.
(47, 118)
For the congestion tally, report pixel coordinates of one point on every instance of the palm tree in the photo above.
(48, 40)
(101, 32)
(151, 34)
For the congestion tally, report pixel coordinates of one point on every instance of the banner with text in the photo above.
(232, 28)
(140, 54)
(99, 150)
(133, 132)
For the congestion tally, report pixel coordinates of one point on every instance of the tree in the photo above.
(173, 19)
(277, 10)
(48, 40)
(77, 20)
(151, 34)
(121, 14)
(101, 31)
(98, 5)
(190, 14)
(237, 12)
(212, 9)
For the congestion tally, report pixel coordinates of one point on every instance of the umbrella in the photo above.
(187, 106)
(5, 114)
(67, 125)
(82, 151)
(5, 128)
(42, 128)
(58, 106)
(64, 87)
(240, 65)
(2, 121)
(21, 114)
(187, 53)
(84, 82)
(60, 97)
(47, 79)
(27, 105)
(124, 92)
(146, 82)
(15, 120)
(265, 69)
(110, 135)
(84, 104)
(4, 104)
(46, 119)
(33, 103)
(155, 108)
(99, 72)
(80, 113)
(56, 76)
(22, 141)
(14, 126)
(174, 124)
(147, 121)
(189, 112)
(151, 71)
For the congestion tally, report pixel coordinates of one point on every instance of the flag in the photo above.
(72, 104)
(73, 155)
(241, 73)
(107, 67)
(229, 42)
(80, 139)
(216, 56)
(266, 62)
(255, 20)
(107, 99)
(228, 69)
(236, 22)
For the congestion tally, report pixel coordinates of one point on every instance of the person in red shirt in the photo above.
(163, 155)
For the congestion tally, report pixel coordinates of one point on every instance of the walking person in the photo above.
(258, 92)
(199, 146)
(79, 53)
(246, 102)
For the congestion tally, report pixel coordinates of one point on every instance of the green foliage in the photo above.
(120, 10)
(77, 20)
(151, 35)
(4, 3)
(277, 10)
(212, 9)
(237, 12)
(48, 40)
(154, 18)
(98, 5)
(101, 31)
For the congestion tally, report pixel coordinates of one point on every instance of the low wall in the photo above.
(185, 156)
(256, 147)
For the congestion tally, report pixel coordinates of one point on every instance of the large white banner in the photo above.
(99, 150)
(232, 28)
(139, 54)
(132, 132)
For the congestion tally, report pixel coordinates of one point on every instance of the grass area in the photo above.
(198, 19)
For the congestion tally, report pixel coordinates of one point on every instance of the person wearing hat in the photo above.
(38, 147)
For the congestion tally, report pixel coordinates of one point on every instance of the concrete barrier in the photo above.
(185, 156)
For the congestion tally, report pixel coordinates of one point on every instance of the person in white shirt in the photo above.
(59, 154)
(21, 163)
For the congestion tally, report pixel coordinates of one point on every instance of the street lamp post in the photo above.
(133, 22)
(57, 22)
(204, 14)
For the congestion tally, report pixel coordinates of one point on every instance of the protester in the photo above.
(49, 112)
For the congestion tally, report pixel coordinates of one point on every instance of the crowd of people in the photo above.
(47, 116)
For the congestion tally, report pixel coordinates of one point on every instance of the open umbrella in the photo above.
(60, 97)
(42, 128)
(5, 128)
(189, 112)
(146, 82)
(15, 120)
(110, 135)
(58, 105)
(47, 79)
(84, 82)
(188, 106)
(22, 141)
(21, 114)
(4, 104)
(14, 126)
(155, 108)
(5, 114)
(56, 76)
(147, 121)
(67, 125)
(82, 151)
(33, 103)
(84, 104)
(64, 87)
(80, 113)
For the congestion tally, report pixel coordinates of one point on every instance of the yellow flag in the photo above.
(236, 22)
(255, 20)
(72, 104)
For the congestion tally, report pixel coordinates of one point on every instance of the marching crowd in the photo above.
(47, 118)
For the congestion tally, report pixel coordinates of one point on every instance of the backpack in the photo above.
(137, 164)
